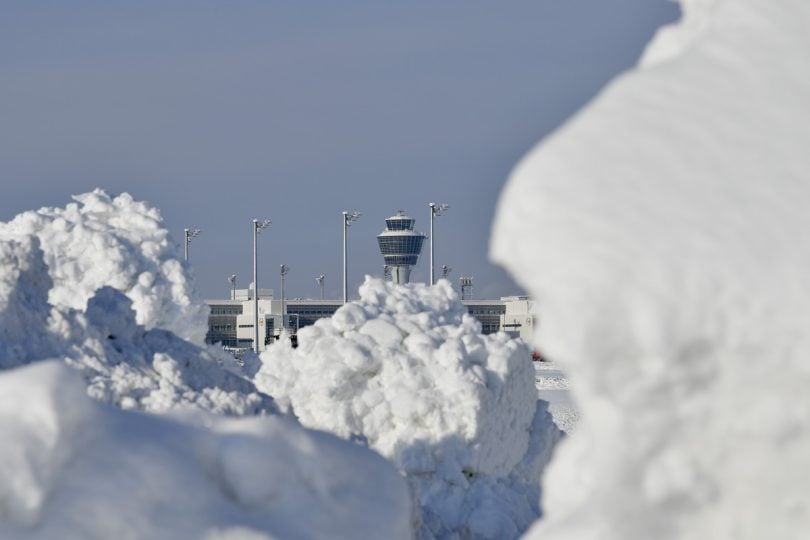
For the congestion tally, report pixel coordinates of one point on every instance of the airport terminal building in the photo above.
(230, 322)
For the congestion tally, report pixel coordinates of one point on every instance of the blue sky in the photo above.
(218, 112)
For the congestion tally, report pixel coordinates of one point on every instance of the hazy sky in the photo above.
(218, 112)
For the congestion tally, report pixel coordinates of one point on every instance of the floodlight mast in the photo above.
(284, 269)
(446, 271)
(348, 218)
(319, 280)
(188, 234)
(232, 281)
(435, 210)
(258, 225)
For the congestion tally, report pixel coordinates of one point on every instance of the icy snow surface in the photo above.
(407, 371)
(667, 249)
(99, 240)
(73, 468)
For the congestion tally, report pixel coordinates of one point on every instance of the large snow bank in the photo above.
(123, 362)
(663, 232)
(74, 468)
(100, 240)
(71, 467)
(407, 371)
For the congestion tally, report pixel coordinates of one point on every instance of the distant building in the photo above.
(400, 246)
(230, 322)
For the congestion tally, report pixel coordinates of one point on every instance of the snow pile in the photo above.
(407, 371)
(155, 370)
(122, 362)
(119, 242)
(663, 232)
(74, 468)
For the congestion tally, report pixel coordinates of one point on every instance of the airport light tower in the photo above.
(446, 271)
(348, 218)
(319, 281)
(232, 281)
(258, 225)
(435, 210)
(400, 246)
(188, 234)
(284, 270)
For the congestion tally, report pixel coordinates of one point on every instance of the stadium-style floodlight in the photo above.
(319, 280)
(348, 218)
(188, 234)
(435, 210)
(258, 225)
(446, 271)
(283, 270)
(232, 281)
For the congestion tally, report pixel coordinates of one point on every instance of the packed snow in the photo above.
(407, 371)
(73, 468)
(76, 467)
(663, 233)
(123, 362)
(404, 372)
(100, 240)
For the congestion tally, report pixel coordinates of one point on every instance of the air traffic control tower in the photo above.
(400, 246)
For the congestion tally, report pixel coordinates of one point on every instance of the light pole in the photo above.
(348, 217)
(284, 270)
(188, 234)
(258, 225)
(232, 281)
(435, 210)
(319, 280)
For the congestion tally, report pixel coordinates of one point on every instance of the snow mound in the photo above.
(74, 468)
(122, 362)
(118, 242)
(154, 370)
(407, 371)
(663, 232)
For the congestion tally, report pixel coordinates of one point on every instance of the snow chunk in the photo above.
(663, 232)
(73, 468)
(122, 362)
(407, 371)
(118, 242)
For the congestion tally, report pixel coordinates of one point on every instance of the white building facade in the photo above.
(230, 322)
